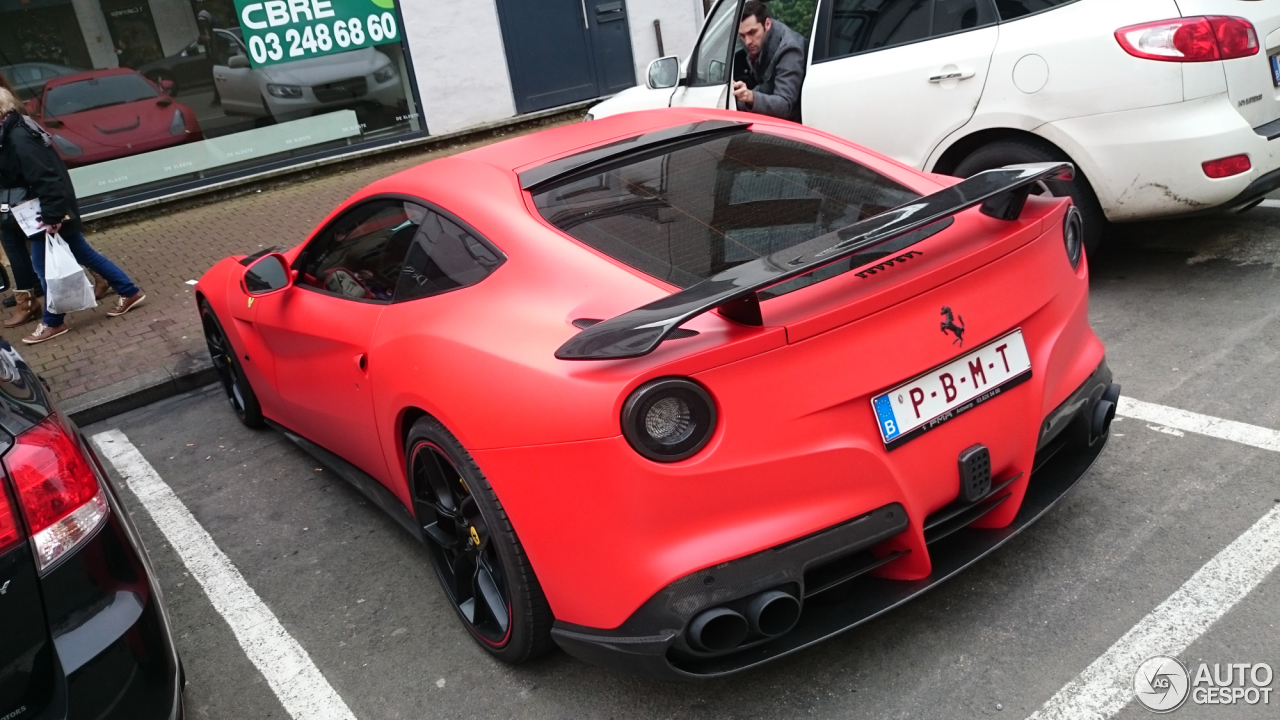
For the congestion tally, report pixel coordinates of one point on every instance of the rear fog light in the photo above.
(1227, 167)
(58, 491)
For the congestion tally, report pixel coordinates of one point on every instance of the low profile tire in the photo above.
(482, 567)
(1026, 150)
(244, 403)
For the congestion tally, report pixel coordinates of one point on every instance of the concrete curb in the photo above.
(96, 405)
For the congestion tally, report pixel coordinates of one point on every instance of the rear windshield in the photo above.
(97, 92)
(685, 214)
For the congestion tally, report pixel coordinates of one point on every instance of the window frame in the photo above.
(297, 263)
(1060, 5)
(822, 31)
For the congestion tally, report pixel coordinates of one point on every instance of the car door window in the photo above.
(359, 255)
(709, 65)
(1011, 9)
(444, 256)
(862, 25)
(225, 47)
(953, 16)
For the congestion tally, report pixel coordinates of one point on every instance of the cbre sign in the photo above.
(280, 31)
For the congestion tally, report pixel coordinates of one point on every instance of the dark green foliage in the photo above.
(795, 14)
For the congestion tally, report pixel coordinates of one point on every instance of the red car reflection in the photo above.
(106, 114)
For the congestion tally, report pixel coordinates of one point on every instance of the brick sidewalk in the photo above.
(162, 337)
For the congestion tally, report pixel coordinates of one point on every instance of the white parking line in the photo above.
(288, 669)
(1269, 204)
(1106, 686)
(1251, 435)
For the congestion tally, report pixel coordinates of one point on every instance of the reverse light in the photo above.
(284, 91)
(58, 491)
(178, 124)
(668, 419)
(1191, 39)
(1227, 167)
(67, 147)
(1073, 236)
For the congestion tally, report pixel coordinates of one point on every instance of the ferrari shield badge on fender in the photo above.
(251, 301)
(949, 326)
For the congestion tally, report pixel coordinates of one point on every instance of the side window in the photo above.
(862, 25)
(1011, 9)
(953, 16)
(444, 257)
(359, 255)
(709, 65)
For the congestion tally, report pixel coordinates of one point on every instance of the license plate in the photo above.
(1275, 70)
(948, 391)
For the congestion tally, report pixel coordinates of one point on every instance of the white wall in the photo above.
(459, 62)
(681, 20)
(97, 38)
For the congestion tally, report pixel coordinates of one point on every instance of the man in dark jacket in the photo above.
(775, 61)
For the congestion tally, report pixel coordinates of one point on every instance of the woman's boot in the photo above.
(27, 309)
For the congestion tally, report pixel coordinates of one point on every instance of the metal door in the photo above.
(563, 51)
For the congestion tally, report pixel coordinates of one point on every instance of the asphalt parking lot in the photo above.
(1190, 313)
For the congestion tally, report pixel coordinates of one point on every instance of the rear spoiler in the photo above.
(1002, 193)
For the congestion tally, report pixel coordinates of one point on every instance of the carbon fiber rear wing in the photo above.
(1001, 193)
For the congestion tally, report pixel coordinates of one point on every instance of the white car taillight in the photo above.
(1191, 39)
(57, 490)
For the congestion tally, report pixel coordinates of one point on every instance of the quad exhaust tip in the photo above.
(719, 629)
(773, 613)
(1105, 411)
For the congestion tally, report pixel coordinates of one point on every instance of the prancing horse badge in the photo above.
(949, 326)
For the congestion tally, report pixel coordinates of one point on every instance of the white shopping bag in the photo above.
(67, 288)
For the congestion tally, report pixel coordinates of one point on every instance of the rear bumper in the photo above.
(114, 650)
(1147, 163)
(832, 571)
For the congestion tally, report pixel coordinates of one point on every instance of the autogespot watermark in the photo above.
(1163, 684)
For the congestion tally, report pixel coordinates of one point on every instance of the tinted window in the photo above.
(359, 255)
(688, 213)
(710, 61)
(951, 16)
(444, 257)
(97, 92)
(862, 25)
(1010, 9)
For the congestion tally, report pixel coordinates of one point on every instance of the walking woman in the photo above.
(26, 286)
(28, 161)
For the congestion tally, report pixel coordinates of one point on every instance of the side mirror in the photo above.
(663, 73)
(238, 62)
(269, 274)
(169, 87)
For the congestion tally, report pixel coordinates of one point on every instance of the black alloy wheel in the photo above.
(239, 392)
(481, 565)
(1016, 151)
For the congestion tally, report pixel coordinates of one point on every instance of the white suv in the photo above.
(1167, 107)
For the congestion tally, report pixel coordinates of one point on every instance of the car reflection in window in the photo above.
(444, 257)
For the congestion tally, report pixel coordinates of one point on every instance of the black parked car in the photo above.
(191, 67)
(83, 631)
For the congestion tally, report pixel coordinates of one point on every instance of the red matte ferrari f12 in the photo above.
(684, 391)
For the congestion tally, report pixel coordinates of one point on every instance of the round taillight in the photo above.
(668, 419)
(1073, 236)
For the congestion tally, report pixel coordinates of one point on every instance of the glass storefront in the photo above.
(146, 96)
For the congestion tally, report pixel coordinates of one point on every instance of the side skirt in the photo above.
(377, 493)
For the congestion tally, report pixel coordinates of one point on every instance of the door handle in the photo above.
(362, 362)
(957, 74)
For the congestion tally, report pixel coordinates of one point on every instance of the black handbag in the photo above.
(10, 197)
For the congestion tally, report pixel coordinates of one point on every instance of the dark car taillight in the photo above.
(668, 419)
(1191, 39)
(1073, 236)
(10, 533)
(57, 490)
